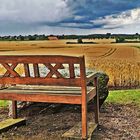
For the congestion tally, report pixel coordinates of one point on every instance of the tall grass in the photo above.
(122, 73)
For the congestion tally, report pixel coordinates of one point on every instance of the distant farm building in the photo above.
(52, 38)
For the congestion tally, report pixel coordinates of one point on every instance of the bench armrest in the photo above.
(91, 78)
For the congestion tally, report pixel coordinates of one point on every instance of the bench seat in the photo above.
(33, 93)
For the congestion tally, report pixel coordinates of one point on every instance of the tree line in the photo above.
(118, 37)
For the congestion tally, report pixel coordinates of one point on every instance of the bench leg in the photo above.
(96, 101)
(84, 121)
(97, 108)
(14, 109)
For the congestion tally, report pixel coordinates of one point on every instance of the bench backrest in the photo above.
(31, 70)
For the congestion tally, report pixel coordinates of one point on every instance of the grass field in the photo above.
(3, 103)
(124, 97)
(121, 61)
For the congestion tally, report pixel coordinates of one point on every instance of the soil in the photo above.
(50, 121)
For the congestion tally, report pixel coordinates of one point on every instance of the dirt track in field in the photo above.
(102, 50)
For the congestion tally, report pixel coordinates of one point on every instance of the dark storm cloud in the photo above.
(36, 16)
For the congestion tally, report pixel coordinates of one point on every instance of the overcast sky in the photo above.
(69, 16)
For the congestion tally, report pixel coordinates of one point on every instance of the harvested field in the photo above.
(120, 61)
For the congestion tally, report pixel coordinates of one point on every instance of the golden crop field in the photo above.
(120, 61)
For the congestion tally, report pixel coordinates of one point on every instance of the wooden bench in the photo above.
(28, 84)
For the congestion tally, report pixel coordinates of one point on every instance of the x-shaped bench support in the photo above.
(54, 70)
(10, 70)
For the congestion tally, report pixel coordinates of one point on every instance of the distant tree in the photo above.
(120, 40)
(42, 37)
(20, 37)
(136, 36)
(30, 37)
(79, 40)
(108, 35)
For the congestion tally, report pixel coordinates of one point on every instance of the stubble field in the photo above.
(120, 61)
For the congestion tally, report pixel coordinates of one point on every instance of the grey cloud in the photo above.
(34, 10)
(68, 16)
(129, 17)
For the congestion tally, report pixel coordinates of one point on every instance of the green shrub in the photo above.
(120, 40)
(79, 40)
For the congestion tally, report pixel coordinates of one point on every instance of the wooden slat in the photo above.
(47, 90)
(9, 123)
(76, 133)
(32, 91)
(71, 70)
(26, 69)
(39, 59)
(40, 87)
(41, 81)
(67, 99)
(91, 94)
(36, 70)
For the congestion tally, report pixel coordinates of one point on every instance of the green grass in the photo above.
(3, 103)
(124, 97)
